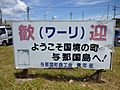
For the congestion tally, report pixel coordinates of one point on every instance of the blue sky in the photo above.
(59, 9)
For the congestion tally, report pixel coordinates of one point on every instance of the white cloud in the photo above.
(85, 2)
(13, 7)
(7, 3)
(39, 3)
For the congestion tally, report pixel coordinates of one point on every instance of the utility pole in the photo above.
(44, 17)
(28, 13)
(71, 15)
(0, 16)
(114, 8)
(53, 17)
(108, 11)
(82, 15)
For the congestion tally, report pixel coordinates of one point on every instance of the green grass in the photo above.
(55, 79)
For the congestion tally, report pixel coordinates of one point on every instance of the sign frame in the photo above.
(25, 60)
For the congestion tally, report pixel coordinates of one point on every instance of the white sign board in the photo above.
(63, 44)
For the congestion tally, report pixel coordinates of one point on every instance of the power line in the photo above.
(103, 15)
(63, 7)
(81, 13)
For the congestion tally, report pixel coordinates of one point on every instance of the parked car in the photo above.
(5, 35)
(117, 38)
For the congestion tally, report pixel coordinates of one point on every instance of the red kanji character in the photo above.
(23, 32)
(30, 32)
(26, 32)
(99, 33)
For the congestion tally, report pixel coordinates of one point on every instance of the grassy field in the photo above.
(55, 79)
